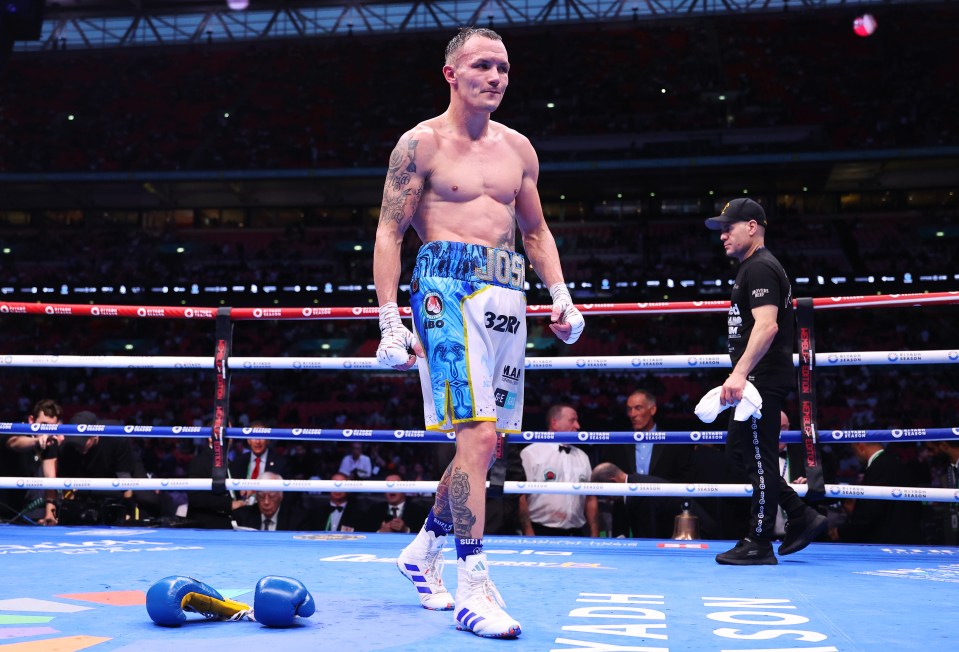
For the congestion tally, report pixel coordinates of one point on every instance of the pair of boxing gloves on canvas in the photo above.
(277, 602)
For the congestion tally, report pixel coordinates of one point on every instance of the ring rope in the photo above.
(702, 490)
(678, 361)
(367, 312)
(430, 436)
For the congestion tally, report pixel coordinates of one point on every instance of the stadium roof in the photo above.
(138, 23)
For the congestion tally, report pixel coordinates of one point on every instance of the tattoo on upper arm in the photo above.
(463, 518)
(507, 239)
(401, 196)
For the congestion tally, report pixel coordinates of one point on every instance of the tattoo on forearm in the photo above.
(399, 198)
(441, 508)
(463, 518)
(507, 239)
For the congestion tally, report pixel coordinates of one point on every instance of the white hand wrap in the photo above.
(396, 340)
(568, 312)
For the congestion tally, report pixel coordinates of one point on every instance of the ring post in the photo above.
(807, 399)
(221, 401)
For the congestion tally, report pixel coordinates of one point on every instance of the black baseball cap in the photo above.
(738, 210)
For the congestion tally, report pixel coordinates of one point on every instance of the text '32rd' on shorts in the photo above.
(469, 313)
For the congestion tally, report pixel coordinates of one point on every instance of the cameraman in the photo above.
(31, 456)
(91, 456)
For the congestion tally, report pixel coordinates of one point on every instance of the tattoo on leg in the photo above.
(463, 518)
(441, 506)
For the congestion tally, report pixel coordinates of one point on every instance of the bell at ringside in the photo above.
(685, 525)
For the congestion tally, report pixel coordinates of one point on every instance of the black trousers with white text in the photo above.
(753, 446)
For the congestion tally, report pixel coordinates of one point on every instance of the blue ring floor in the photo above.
(68, 589)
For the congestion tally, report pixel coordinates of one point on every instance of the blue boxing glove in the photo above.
(279, 600)
(169, 600)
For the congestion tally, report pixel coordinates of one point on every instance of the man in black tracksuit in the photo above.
(760, 339)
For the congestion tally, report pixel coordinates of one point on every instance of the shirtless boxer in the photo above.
(465, 183)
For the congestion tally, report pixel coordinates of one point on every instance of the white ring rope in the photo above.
(694, 490)
(679, 361)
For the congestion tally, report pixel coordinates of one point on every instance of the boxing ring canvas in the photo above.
(68, 589)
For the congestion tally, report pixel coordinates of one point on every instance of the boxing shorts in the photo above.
(469, 313)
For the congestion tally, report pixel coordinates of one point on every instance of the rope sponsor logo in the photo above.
(904, 356)
(361, 364)
(911, 432)
(649, 436)
(312, 364)
(7, 308)
(409, 434)
(593, 436)
(844, 357)
(97, 311)
(899, 492)
(259, 313)
(587, 487)
(538, 363)
(708, 435)
(296, 432)
(705, 361)
(357, 433)
(632, 487)
(77, 484)
(6, 360)
(702, 488)
(598, 306)
(129, 429)
(647, 362)
(174, 483)
(595, 364)
(58, 310)
(258, 431)
(151, 312)
(849, 434)
(257, 365)
(846, 490)
(189, 365)
(530, 435)
(198, 313)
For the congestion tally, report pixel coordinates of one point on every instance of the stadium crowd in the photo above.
(727, 84)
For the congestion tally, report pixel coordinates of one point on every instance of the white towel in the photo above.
(751, 405)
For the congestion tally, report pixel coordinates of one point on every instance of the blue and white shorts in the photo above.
(469, 312)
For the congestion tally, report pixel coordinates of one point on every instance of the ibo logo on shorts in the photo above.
(433, 305)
